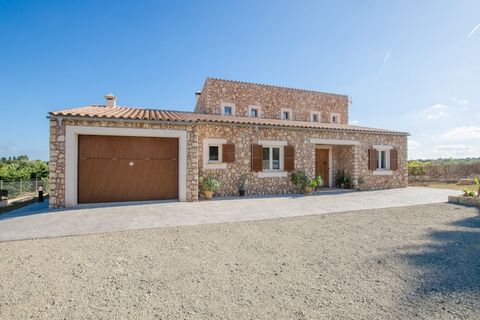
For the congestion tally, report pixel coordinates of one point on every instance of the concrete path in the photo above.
(110, 218)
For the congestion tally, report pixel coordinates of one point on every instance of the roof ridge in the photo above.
(278, 87)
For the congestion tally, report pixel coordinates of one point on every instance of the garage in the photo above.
(121, 168)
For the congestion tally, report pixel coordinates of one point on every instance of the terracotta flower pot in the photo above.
(208, 194)
(307, 190)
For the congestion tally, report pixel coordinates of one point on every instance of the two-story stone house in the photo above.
(107, 153)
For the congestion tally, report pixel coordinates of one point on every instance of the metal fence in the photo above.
(17, 189)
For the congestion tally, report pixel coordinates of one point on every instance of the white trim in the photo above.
(382, 172)
(213, 165)
(382, 147)
(71, 154)
(272, 174)
(227, 104)
(330, 162)
(318, 113)
(259, 111)
(273, 143)
(289, 110)
(335, 142)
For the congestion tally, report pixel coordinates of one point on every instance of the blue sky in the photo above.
(407, 65)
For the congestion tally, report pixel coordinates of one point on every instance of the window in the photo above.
(335, 118)
(271, 158)
(227, 110)
(382, 163)
(213, 153)
(286, 114)
(254, 112)
(314, 116)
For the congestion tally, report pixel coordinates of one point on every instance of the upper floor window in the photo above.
(286, 114)
(335, 118)
(315, 116)
(254, 111)
(228, 109)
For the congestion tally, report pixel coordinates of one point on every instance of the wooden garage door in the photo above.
(112, 168)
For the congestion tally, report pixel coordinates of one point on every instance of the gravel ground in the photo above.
(410, 262)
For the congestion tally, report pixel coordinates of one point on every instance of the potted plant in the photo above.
(242, 187)
(209, 184)
(300, 179)
(344, 181)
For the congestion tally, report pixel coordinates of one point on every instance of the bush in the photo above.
(209, 183)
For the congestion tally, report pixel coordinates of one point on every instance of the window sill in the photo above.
(272, 174)
(382, 172)
(215, 165)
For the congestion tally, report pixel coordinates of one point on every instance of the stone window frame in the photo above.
(257, 107)
(335, 115)
(227, 104)
(290, 113)
(213, 165)
(318, 114)
(274, 144)
(386, 170)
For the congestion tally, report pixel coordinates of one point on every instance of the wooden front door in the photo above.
(322, 165)
(112, 168)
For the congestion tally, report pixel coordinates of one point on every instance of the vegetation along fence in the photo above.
(443, 172)
(22, 188)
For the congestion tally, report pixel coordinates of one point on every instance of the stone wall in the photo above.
(352, 159)
(57, 154)
(271, 99)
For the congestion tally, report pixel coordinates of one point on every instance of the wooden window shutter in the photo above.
(393, 159)
(257, 157)
(228, 152)
(289, 158)
(372, 159)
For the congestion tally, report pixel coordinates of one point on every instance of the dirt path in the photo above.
(408, 262)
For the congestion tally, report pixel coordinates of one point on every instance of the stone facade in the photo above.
(271, 100)
(351, 159)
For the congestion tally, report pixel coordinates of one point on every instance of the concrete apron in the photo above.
(112, 218)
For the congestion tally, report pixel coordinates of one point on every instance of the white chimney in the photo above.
(197, 96)
(110, 100)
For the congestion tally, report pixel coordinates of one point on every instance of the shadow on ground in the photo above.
(450, 263)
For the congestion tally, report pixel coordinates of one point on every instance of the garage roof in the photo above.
(129, 113)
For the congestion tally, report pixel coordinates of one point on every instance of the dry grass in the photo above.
(439, 185)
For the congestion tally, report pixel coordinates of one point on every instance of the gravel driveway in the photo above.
(408, 262)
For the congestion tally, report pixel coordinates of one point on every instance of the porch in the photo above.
(336, 158)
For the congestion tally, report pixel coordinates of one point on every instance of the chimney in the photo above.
(197, 96)
(110, 101)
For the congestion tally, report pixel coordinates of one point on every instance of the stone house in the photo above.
(108, 153)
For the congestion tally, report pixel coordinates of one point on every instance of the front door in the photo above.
(322, 165)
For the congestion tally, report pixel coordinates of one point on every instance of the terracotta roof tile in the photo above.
(127, 113)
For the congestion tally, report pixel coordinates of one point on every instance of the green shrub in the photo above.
(209, 183)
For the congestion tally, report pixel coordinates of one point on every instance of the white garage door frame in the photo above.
(71, 154)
